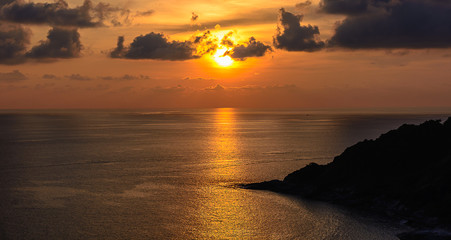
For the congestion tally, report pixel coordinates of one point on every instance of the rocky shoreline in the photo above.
(405, 174)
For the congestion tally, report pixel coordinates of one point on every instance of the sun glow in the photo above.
(222, 59)
(218, 46)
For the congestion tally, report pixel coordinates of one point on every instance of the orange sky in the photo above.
(328, 77)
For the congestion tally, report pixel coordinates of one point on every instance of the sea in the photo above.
(175, 173)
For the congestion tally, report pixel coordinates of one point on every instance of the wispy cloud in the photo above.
(13, 76)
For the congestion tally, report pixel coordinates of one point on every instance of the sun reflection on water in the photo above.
(223, 143)
(224, 211)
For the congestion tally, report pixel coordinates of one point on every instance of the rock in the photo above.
(405, 172)
(274, 185)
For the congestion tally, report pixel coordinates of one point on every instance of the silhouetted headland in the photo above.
(405, 173)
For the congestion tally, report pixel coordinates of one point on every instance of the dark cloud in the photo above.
(78, 77)
(294, 37)
(344, 6)
(155, 46)
(13, 43)
(4, 2)
(303, 5)
(119, 51)
(253, 48)
(355, 7)
(194, 17)
(412, 24)
(60, 43)
(58, 13)
(13, 76)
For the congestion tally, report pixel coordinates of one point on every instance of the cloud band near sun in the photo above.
(158, 46)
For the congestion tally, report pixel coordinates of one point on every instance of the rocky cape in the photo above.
(405, 173)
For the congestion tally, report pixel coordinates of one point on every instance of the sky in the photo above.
(225, 53)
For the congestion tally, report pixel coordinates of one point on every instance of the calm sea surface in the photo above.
(172, 174)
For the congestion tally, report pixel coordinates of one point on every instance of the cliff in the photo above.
(405, 173)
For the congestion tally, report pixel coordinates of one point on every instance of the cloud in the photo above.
(348, 7)
(13, 43)
(58, 13)
(154, 46)
(144, 13)
(227, 41)
(5, 2)
(60, 43)
(63, 40)
(295, 37)
(125, 77)
(197, 79)
(205, 43)
(411, 24)
(119, 51)
(356, 7)
(253, 48)
(13, 76)
(194, 17)
(49, 76)
(218, 87)
(303, 5)
(157, 46)
(78, 77)
(117, 16)
(238, 51)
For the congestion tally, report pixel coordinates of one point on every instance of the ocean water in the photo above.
(172, 174)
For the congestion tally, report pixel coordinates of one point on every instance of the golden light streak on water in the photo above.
(224, 211)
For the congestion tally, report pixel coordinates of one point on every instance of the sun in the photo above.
(221, 59)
